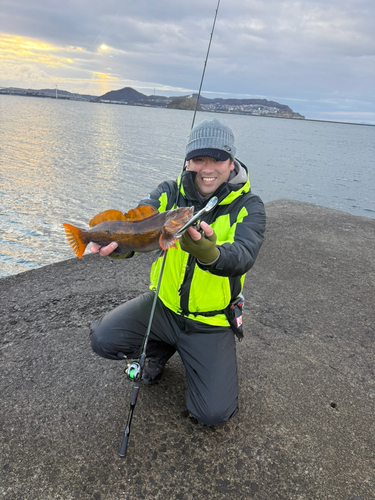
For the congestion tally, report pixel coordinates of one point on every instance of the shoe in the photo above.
(153, 370)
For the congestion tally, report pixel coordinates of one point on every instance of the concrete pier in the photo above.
(306, 425)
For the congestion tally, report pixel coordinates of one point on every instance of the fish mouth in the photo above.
(185, 215)
(188, 214)
(184, 212)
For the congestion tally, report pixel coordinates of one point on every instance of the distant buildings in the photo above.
(252, 109)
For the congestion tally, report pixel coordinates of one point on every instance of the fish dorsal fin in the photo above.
(140, 213)
(106, 216)
(135, 214)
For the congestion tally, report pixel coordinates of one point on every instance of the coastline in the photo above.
(205, 111)
(305, 428)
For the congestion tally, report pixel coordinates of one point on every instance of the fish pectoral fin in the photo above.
(167, 241)
(75, 237)
(139, 213)
(106, 216)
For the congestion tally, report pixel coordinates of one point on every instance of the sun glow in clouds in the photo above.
(103, 76)
(103, 82)
(22, 49)
(24, 60)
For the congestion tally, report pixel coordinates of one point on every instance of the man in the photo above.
(201, 279)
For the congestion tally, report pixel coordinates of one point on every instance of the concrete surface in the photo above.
(305, 429)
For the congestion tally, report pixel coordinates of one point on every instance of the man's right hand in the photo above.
(103, 251)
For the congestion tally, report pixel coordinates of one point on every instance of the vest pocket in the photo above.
(208, 292)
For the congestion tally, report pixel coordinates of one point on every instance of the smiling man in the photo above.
(210, 152)
(199, 307)
(210, 173)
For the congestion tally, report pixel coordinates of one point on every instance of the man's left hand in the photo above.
(202, 247)
(103, 251)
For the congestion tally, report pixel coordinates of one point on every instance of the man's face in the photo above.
(211, 173)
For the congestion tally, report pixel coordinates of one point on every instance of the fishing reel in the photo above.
(133, 371)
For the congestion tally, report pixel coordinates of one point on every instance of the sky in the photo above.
(317, 57)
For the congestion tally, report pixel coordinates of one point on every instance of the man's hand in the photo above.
(203, 248)
(103, 251)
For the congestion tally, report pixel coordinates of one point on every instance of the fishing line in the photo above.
(205, 64)
(198, 96)
(134, 370)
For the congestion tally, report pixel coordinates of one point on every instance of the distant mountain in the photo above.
(127, 95)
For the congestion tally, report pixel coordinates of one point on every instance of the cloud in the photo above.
(18, 48)
(302, 51)
(23, 74)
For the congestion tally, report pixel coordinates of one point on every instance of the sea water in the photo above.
(65, 161)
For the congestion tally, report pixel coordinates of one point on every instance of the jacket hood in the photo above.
(239, 174)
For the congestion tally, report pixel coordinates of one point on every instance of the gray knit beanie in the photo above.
(211, 138)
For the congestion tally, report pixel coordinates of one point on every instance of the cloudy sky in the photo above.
(316, 56)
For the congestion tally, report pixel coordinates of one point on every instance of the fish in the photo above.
(142, 229)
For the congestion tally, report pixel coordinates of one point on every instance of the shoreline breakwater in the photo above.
(305, 428)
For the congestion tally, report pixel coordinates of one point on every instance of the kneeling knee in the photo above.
(98, 344)
(215, 417)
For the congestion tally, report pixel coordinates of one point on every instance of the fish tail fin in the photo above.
(76, 239)
(167, 241)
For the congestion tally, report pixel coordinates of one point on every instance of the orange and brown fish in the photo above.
(142, 229)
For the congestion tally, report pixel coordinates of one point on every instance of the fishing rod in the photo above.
(134, 370)
(205, 64)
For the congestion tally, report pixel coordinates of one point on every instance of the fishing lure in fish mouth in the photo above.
(142, 229)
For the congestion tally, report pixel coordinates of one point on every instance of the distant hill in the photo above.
(248, 106)
(61, 94)
(65, 93)
(237, 102)
(127, 95)
(184, 103)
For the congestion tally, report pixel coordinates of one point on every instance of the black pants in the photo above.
(207, 352)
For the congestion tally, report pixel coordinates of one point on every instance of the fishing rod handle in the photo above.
(124, 444)
(125, 439)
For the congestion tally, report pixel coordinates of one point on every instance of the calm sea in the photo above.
(64, 161)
